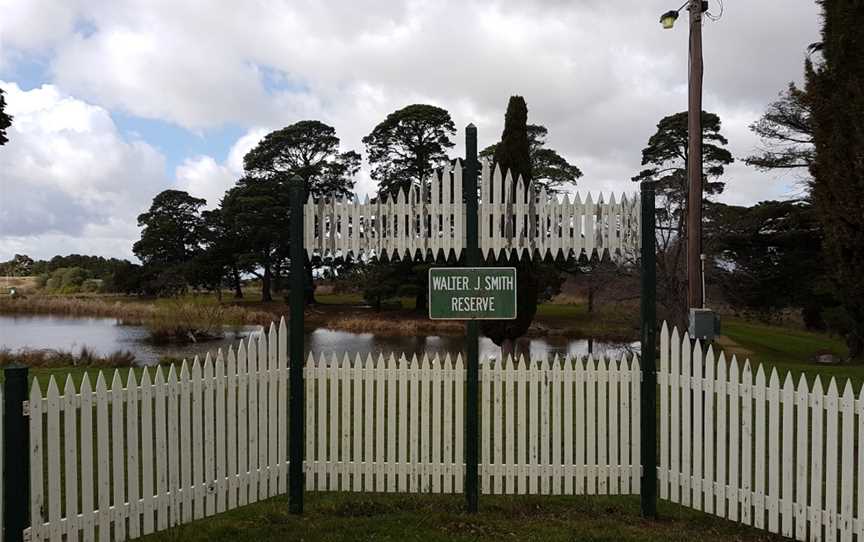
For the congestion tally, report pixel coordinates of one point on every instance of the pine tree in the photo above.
(835, 86)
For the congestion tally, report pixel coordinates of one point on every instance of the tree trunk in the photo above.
(421, 303)
(856, 347)
(235, 276)
(219, 294)
(266, 294)
(591, 299)
(310, 284)
(277, 281)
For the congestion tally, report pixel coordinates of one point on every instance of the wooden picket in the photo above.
(513, 218)
(782, 459)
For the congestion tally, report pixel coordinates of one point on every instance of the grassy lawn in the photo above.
(789, 349)
(356, 516)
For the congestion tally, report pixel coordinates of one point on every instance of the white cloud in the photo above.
(203, 177)
(68, 174)
(598, 74)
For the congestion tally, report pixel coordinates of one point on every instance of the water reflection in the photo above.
(107, 335)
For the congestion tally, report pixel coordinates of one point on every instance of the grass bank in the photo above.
(788, 348)
(354, 516)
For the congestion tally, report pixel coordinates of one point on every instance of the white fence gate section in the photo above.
(783, 458)
(546, 427)
(512, 218)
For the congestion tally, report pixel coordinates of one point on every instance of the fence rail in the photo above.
(783, 458)
(513, 219)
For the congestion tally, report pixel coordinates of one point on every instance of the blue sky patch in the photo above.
(178, 143)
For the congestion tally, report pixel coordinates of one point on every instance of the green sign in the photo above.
(472, 293)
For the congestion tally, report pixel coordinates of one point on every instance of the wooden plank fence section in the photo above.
(782, 459)
(513, 218)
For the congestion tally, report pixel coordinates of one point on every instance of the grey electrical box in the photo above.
(704, 324)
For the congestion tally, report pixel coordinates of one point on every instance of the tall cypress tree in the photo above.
(835, 85)
(513, 154)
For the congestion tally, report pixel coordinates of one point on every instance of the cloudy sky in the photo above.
(117, 100)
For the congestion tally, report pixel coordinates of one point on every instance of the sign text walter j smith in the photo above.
(472, 293)
(485, 284)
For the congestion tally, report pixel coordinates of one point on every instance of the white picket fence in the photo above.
(168, 447)
(783, 458)
(512, 218)
(120, 461)
(548, 427)
(164, 450)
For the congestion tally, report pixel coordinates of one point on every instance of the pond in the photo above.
(107, 335)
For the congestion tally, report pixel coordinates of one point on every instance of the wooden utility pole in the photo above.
(694, 160)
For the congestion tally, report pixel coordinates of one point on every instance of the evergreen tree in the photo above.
(835, 88)
(513, 154)
(309, 149)
(550, 170)
(666, 158)
(786, 133)
(170, 239)
(257, 212)
(406, 147)
(5, 119)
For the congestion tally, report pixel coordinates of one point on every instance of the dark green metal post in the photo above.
(648, 392)
(297, 194)
(16, 465)
(472, 259)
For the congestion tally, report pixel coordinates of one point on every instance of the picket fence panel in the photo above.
(376, 402)
(428, 222)
(165, 449)
(780, 458)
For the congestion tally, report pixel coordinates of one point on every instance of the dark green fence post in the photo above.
(16, 445)
(297, 194)
(648, 391)
(472, 259)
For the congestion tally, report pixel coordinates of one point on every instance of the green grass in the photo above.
(356, 516)
(791, 349)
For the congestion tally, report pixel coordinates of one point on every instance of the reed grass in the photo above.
(76, 306)
(50, 358)
(395, 326)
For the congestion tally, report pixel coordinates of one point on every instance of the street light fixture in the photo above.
(668, 18)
